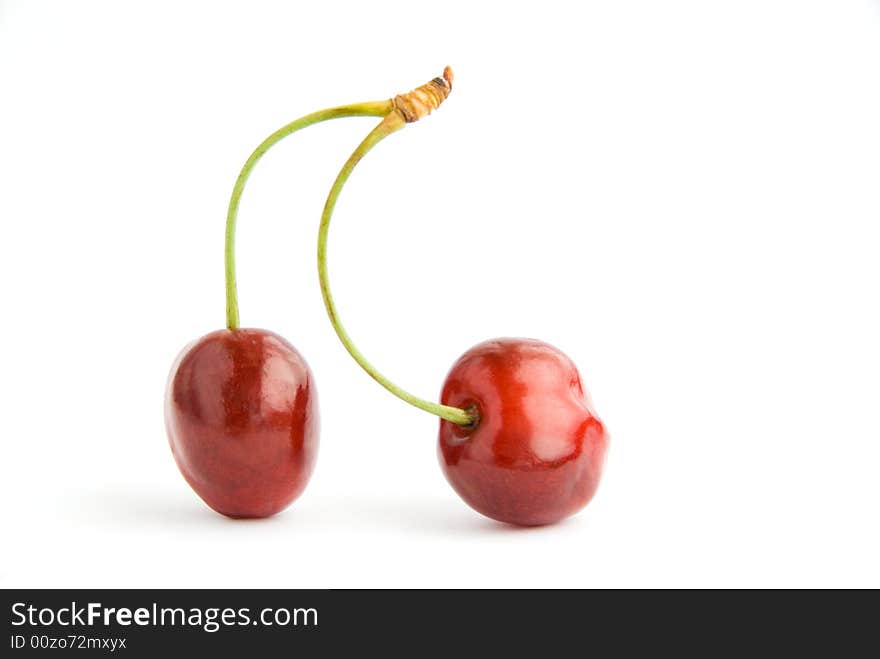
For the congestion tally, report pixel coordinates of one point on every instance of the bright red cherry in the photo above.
(519, 439)
(242, 418)
(534, 455)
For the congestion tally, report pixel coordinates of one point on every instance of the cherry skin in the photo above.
(241, 413)
(535, 453)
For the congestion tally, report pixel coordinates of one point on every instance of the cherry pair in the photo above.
(519, 439)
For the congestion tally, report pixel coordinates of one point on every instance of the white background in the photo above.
(683, 196)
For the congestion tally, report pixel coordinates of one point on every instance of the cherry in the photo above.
(240, 408)
(519, 439)
(534, 453)
(242, 419)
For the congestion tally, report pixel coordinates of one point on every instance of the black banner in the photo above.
(409, 623)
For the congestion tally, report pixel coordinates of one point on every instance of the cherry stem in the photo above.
(390, 124)
(369, 109)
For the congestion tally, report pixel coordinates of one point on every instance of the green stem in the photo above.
(369, 109)
(390, 124)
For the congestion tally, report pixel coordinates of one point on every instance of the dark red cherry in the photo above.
(535, 453)
(242, 418)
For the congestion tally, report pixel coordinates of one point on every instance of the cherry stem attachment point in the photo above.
(393, 122)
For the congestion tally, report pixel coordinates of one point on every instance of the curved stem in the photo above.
(390, 124)
(369, 109)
